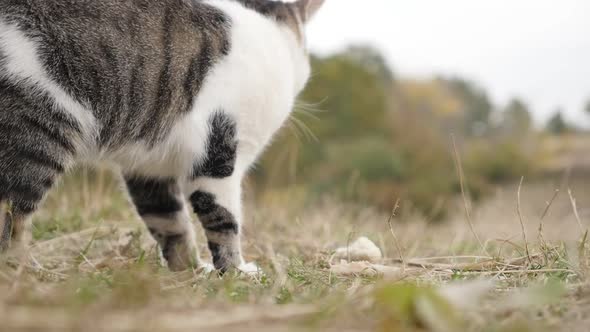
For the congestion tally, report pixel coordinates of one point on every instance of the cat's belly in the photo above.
(174, 157)
(138, 161)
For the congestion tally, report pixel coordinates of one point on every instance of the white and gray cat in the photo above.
(181, 95)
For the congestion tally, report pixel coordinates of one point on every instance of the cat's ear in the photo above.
(308, 8)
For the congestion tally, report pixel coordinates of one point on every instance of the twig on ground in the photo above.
(348, 241)
(504, 242)
(582, 254)
(582, 247)
(395, 239)
(487, 264)
(520, 217)
(461, 176)
(104, 230)
(575, 208)
(435, 258)
(83, 256)
(548, 205)
(541, 237)
(523, 271)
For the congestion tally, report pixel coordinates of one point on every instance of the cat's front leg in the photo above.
(217, 203)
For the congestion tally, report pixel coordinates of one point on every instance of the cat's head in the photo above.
(293, 17)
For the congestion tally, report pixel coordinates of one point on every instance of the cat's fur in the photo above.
(180, 95)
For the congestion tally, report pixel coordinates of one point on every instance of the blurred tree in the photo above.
(354, 88)
(379, 139)
(419, 102)
(587, 108)
(556, 124)
(516, 118)
(372, 60)
(429, 97)
(476, 103)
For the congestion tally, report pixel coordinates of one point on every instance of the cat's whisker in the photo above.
(305, 130)
(308, 114)
(294, 129)
(310, 104)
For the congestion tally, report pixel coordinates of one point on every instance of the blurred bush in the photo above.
(497, 163)
(363, 134)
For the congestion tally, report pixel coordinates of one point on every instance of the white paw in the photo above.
(206, 268)
(251, 269)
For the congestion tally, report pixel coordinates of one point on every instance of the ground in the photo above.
(93, 267)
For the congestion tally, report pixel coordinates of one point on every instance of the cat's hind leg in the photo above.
(4, 226)
(28, 173)
(24, 184)
(37, 144)
(162, 207)
(16, 226)
(217, 202)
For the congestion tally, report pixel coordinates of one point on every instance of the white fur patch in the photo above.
(227, 192)
(257, 83)
(22, 64)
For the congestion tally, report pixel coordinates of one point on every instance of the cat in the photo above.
(181, 96)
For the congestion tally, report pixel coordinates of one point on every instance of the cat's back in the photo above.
(137, 64)
(100, 16)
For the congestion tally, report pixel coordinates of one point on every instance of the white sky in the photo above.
(538, 50)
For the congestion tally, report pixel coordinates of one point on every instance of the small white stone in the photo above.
(362, 249)
(250, 269)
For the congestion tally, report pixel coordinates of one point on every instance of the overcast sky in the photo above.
(538, 50)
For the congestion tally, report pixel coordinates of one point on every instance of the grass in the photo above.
(93, 267)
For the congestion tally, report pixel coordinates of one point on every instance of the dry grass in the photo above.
(93, 268)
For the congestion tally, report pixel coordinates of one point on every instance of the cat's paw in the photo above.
(251, 269)
(206, 268)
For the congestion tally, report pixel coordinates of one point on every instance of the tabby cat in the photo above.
(181, 95)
